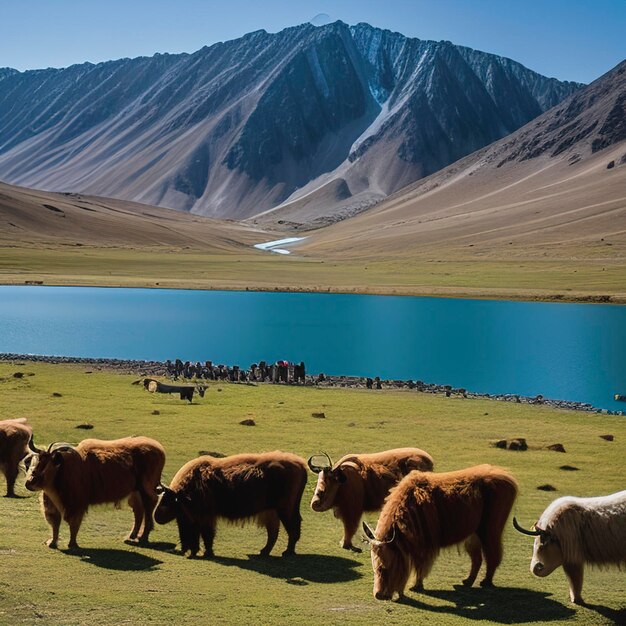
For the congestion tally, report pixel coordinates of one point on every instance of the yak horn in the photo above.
(532, 533)
(61, 446)
(316, 469)
(33, 447)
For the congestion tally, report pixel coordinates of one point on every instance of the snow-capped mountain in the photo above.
(336, 116)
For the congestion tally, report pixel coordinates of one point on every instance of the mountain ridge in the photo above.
(240, 127)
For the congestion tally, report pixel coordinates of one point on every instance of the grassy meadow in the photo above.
(111, 583)
(432, 272)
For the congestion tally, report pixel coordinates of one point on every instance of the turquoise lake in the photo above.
(562, 351)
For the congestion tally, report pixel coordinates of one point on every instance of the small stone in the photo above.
(546, 488)
(84, 426)
(501, 443)
(56, 394)
(248, 422)
(568, 468)
(296, 580)
(556, 447)
(607, 437)
(156, 412)
(321, 414)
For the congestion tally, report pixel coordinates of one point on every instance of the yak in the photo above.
(185, 391)
(14, 437)
(430, 511)
(573, 532)
(361, 482)
(96, 472)
(263, 487)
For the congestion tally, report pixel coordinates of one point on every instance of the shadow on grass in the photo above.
(122, 560)
(617, 616)
(503, 605)
(316, 568)
(159, 546)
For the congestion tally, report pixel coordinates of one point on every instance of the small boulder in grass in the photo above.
(501, 444)
(319, 414)
(546, 488)
(296, 580)
(568, 468)
(557, 447)
(156, 412)
(213, 453)
(56, 394)
(607, 437)
(84, 426)
(18, 375)
(248, 422)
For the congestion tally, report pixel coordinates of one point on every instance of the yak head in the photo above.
(168, 505)
(547, 553)
(390, 564)
(329, 480)
(42, 466)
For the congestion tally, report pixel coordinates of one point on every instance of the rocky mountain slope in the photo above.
(334, 116)
(555, 187)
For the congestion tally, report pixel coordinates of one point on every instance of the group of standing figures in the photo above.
(281, 371)
(421, 511)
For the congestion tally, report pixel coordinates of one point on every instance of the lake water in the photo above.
(563, 351)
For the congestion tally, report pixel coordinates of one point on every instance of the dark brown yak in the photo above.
(14, 437)
(361, 482)
(427, 512)
(265, 487)
(96, 472)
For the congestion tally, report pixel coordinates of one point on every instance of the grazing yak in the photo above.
(264, 487)
(361, 482)
(427, 512)
(96, 472)
(14, 437)
(573, 532)
(185, 391)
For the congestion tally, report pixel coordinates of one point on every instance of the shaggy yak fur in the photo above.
(427, 512)
(97, 472)
(573, 532)
(14, 437)
(361, 482)
(266, 488)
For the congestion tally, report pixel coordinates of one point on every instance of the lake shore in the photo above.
(581, 279)
(158, 368)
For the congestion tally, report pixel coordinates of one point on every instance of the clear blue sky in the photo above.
(568, 39)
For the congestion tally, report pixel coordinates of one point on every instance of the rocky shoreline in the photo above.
(158, 368)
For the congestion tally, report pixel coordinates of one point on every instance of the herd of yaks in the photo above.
(421, 511)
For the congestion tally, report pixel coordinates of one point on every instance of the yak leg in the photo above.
(292, 523)
(208, 534)
(74, 523)
(53, 517)
(189, 536)
(149, 503)
(272, 526)
(10, 473)
(574, 573)
(492, 549)
(138, 511)
(350, 526)
(473, 547)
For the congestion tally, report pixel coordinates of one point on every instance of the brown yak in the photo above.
(361, 482)
(14, 437)
(427, 512)
(264, 487)
(96, 472)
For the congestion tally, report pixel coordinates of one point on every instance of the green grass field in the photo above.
(505, 276)
(111, 583)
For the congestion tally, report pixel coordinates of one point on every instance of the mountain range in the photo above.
(326, 121)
